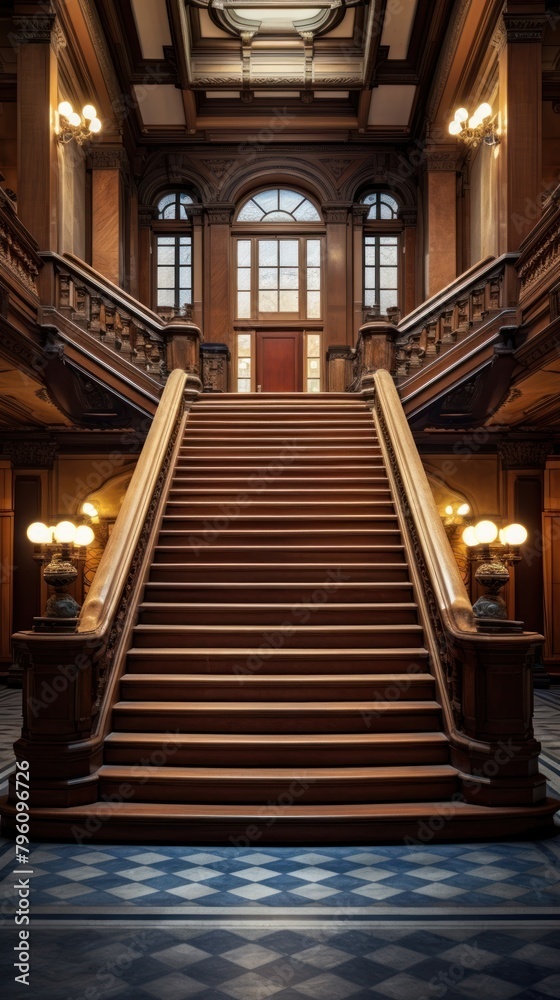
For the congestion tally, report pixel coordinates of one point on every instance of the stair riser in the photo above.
(281, 476)
(303, 791)
(317, 614)
(329, 556)
(304, 451)
(259, 506)
(254, 664)
(192, 572)
(201, 537)
(294, 593)
(279, 757)
(246, 689)
(295, 432)
(204, 487)
(276, 638)
(267, 722)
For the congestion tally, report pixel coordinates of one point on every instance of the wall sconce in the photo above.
(60, 546)
(495, 550)
(70, 125)
(479, 127)
(455, 516)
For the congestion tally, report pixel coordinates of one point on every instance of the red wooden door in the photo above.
(279, 361)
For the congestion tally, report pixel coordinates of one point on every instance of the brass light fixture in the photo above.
(455, 516)
(495, 550)
(70, 125)
(60, 546)
(476, 128)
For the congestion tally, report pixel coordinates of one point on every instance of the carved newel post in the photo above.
(376, 349)
(182, 350)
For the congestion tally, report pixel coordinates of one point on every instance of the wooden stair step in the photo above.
(387, 614)
(280, 509)
(191, 570)
(284, 473)
(257, 785)
(248, 661)
(207, 487)
(272, 750)
(277, 717)
(275, 687)
(334, 555)
(335, 590)
(298, 636)
(248, 826)
(243, 540)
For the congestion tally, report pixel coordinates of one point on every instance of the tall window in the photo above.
(173, 252)
(279, 274)
(381, 252)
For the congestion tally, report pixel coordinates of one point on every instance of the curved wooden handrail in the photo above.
(454, 604)
(101, 603)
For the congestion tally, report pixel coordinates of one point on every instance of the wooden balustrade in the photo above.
(20, 263)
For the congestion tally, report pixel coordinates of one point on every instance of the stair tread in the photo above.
(270, 679)
(387, 707)
(312, 629)
(174, 773)
(177, 605)
(393, 651)
(290, 739)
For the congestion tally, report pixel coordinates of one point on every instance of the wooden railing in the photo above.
(538, 266)
(19, 258)
(474, 663)
(71, 679)
(108, 314)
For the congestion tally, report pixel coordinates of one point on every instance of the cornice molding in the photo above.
(38, 29)
(104, 158)
(336, 211)
(220, 214)
(444, 158)
(524, 454)
(31, 454)
(449, 48)
(524, 27)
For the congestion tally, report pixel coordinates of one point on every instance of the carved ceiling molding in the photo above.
(38, 29)
(524, 28)
(524, 454)
(31, 454)
(273, 82)
(120, 106)
(449, 49)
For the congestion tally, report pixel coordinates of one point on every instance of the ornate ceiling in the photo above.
(216, 68)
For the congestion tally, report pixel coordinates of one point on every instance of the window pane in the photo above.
(185, 297)
(289, 302)
(289, 277)
(244, 385)
(289, 253)
(244, 345)
(185, 252)
(244, 279)
(185, 277)
(313, 278)
(370, 254)
(251, 213)
(313, 385)
(244, 253)
(268, 253)
(166, 297)
(370, 298)
(387, 300)
(267, 200)
(268, 277)
(166, 277)
(388, 254)
(306, 212)
(313, 253)
(244, 367)
(268, 301)
(313, 305)
(372, 214)
(166, 254)
(388, 277)
(244, 305)
(313, 345)
(290, 200)
(166, 207)
(370, 277)
(278, 217)
(313, 367)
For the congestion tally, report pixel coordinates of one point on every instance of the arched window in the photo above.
(382, 244)
(278, 205)
(173, 252)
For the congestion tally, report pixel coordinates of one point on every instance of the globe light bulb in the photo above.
(449, 510)
(65, 109)
(463, 510)
(469, 536)
(95, 125)
(461, 115)
(75, 119)
(65, 532)
(89, 112)
(455, 128)
(38, 533)
(84, 535)
(89, 509)
(486, 532)
(483, 111)
(474, 121)
(514, 534)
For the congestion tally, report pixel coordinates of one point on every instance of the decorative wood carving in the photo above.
(31, 454)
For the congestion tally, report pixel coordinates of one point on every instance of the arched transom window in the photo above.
(382, 240)
(173, 252)
(278, 205)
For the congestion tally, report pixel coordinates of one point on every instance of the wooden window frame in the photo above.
(278, 232)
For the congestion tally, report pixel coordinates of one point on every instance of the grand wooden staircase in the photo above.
(279, 681)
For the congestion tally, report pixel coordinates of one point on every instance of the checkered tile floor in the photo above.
(99, 878)
(294, 963)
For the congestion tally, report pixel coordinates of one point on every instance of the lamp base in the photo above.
(46, 624)
(493, 626)
(62, 605)
(490, 606)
